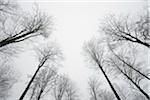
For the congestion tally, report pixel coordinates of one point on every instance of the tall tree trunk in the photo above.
(30, 82)
(109, 82)
(129, 65)
(141, 90)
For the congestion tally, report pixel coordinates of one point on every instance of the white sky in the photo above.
(75, 22)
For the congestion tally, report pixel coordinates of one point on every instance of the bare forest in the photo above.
(118, 56)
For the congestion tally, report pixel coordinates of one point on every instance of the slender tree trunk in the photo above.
(17, 38)
(95, 96)
(33, 92)
(129, 65)
(109, 82)
(141, 90)
(39, 96)
(30, 82)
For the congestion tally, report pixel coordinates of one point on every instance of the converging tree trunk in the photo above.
(140, 89)
(46, 54)
(128, 65)
(109, 82)
(96, 54)
(30, 82)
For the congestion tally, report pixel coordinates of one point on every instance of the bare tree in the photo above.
(94, 87)
(43, 83)
(48, 54)
(60, 87)
(132, 76)
(106, 95)
(96, 54)
(129, 30)
(128, 64)
(7, 6)
(35, 25)
(71, 91)
(7, 79)
(16, 27)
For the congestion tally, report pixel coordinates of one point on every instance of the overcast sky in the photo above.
(74, 22)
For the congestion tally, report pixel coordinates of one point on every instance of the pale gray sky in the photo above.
(74, 23)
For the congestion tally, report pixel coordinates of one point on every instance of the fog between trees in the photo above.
(119, 57)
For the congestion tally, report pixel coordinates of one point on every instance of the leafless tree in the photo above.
(127, 29)
(71, 91)
(21, 26)
(96, 55)
(7, 79)
(7, 6)
(64, 88)
(30, 26)
(94, 87)
(16, 27)
(43, 83)
(128, 64)
(106, 95)
(131, 75)
(60, 87)
(46, 55)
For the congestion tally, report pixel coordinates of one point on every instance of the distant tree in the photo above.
(46, 55)
(94, 87)
(7, 79)
(106, 95)
(64, 89)
(71, 91)
(95, 53)
(60, 87)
